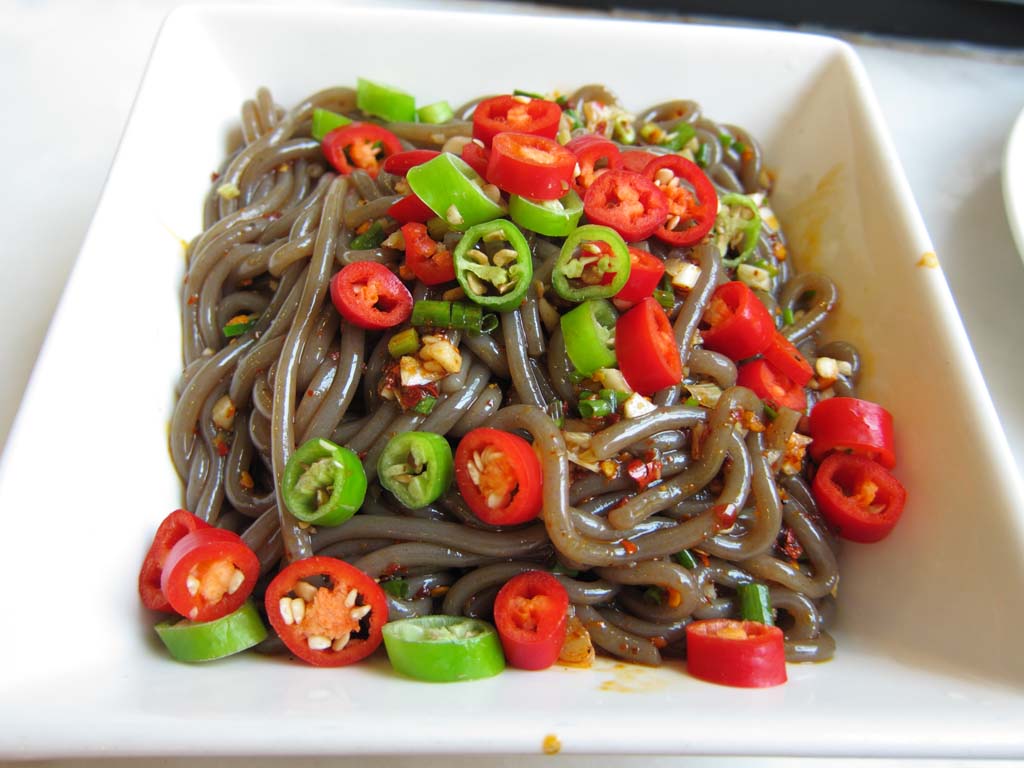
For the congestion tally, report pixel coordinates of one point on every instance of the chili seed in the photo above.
(664, 176)
(305, 590)
(341, 642)
(192, 583)
(237, 579)
(284, 605)
(298, 610)
(318, 643)
(350, 598)
(357, 614)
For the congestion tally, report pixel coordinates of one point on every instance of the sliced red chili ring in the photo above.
(645, 272)
(858, 497)
(530, 613)
(476, 157)
(787, 359)
(636, 160)
(692, 200)
(172, 529)
(429, 260)
(530, 166)
(359, 145)
(628, 203)
(744, 654)
(410, 208)
(371, 296)
(400, 162)
(645, 346)
(499, 476)
(327, 612)
(771, 385)
(515, 113)
(594, 155)
(740, 326)
(208, 574)
(851, 424)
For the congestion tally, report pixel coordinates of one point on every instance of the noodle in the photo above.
(298, 371)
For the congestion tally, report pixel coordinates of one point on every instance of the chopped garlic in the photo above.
(415, 374)
(844, 367)
(441, 350)
(612, 378)
(224, 413)
(229, 191)
(687, 277)
(827, 368)
(578, 451)
(793, 458)
(706, 394)
(395, 240)
(637, 405)
(755, 277)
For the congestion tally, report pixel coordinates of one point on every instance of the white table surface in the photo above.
(69, 71)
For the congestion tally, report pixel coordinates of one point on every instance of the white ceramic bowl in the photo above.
(929, 632)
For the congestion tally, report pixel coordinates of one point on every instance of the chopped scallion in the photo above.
(426, 405)
(240, 327)
(556, 411)
(685, 559)
(655, 595)
(371, 238)
(726, 140)
(755, 604)
(396, 588)
(406, 342)
(787, 316)
(770, 412)
(666, 298)
(693, 402)
(458, 315)
(561, 569)
(701, 157)
(680, 137)
(531, 94)
(594, 408)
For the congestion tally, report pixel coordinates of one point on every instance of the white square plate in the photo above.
(928, 659)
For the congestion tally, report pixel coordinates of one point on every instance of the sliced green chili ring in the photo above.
(738, 214)
(685, 559)
(457, 315)
(498, 274)
(385, 101)
(405, 342)
(208, 640)
(323, 483)
(444, 649)
(589, 333)
(454, 191)
(755, 604)
(579, 274)
(554, 218)
(371, 238)
(325, 121)
(417, 467)
(438, 112)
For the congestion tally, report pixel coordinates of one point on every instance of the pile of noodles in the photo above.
(302, 372)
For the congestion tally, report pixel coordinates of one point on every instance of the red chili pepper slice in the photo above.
(173, 528)
(645, 272)
(477, 157)
(636, 160)
(594, 154)
(499, 476)
(530, 166)
(771, 385)
(359, 145)
(740, 326)
(787, 359)
(371, 296)
(530, 614)
(858, 496)
(410, 208)
(511, 113)
(645, 346)
(743, 654)
(853, 425)
(342, 613)
(400, 162)
(430, 261)
(208, 574)
(692, 201)
(628, 203)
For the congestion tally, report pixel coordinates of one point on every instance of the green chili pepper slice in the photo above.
(554, 218)
(438, 112)
(444, 649)
(454, 191)
(589, 333)
(371, 238)
(498, 273)
(417, 467)
(325, 121)
(323, 483)
(385, 101)
(737, 227)
(208, 640)
(594, 264)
